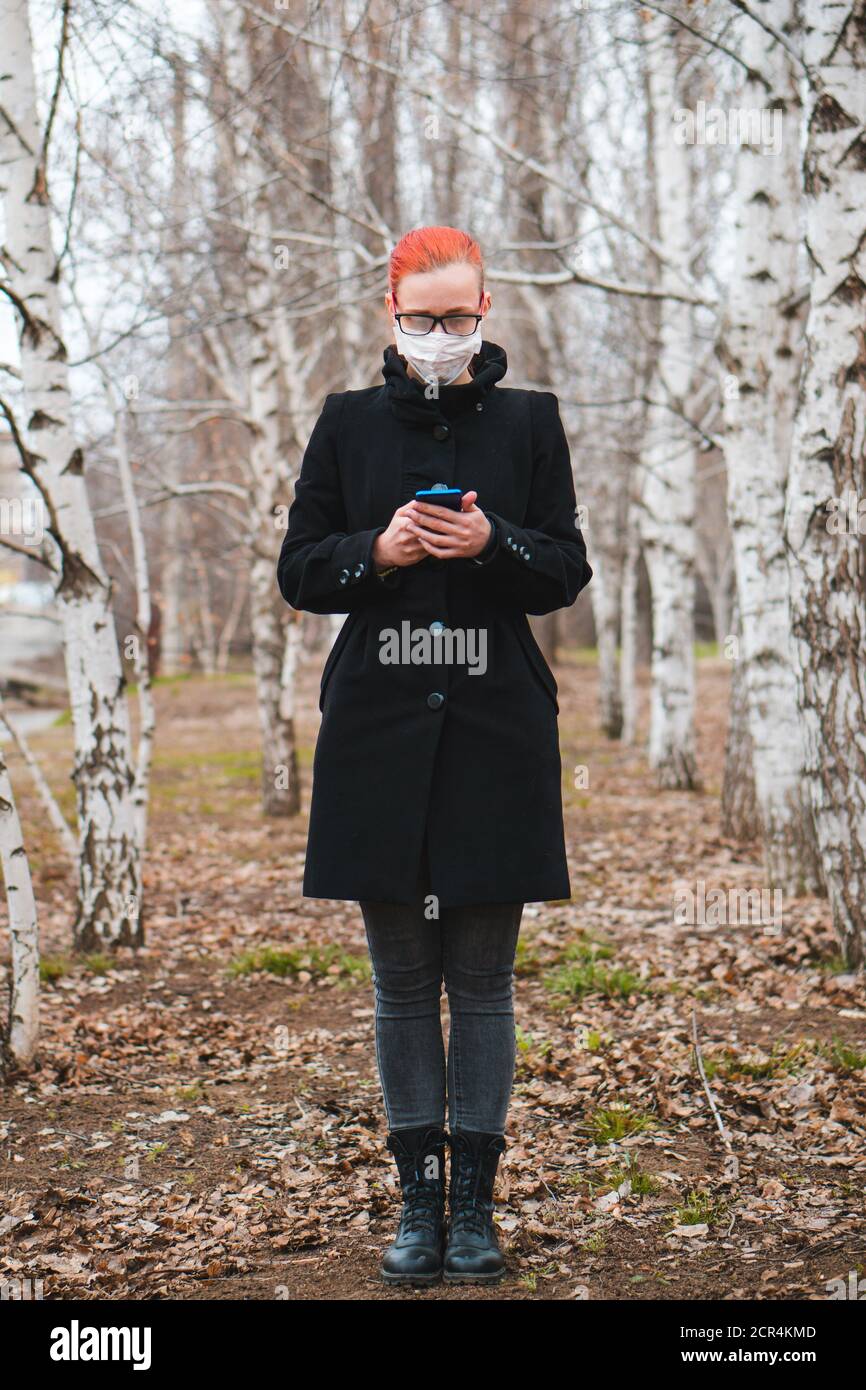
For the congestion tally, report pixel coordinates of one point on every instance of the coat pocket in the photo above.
(536, 660)
(334, 655)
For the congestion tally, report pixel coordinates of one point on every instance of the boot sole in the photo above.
(474, 1278)
(424, 1280)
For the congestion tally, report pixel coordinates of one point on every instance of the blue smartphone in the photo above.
(441, 497)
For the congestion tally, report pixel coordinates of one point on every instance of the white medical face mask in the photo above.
(438, 357)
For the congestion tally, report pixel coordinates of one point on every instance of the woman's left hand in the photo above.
(450, 535)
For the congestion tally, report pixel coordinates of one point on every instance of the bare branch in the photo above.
(464, 120)
(780, 38)
(564, 277)
(40, 556)
(752, 74)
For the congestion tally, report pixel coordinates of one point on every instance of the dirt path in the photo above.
(195, 1133)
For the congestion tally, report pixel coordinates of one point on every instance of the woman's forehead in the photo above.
(446, 288)
(441, 296)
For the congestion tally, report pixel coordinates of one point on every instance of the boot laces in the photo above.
(471, 1212)
(420, 1206)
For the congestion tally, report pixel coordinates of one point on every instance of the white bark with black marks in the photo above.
(667, 466)
(270, 369)
(827, 553)
(109, 884)
(23, 1032)
(760, 350)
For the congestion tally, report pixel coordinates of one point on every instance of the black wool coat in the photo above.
(469, 757)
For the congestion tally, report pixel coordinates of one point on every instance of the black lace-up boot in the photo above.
(416, 1255)
(472, 1255)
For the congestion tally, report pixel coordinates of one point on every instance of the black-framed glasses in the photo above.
(419, 325)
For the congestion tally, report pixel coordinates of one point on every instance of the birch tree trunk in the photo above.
(280, 783)
(43, 791)
(740, 817)
(230, 626)
(143, 619)
(759, 348)
(175, 641)
(23, 1033)
(826, 540)
(109, 885)
(629, 621)
(552, 326)
(606, 613)
(667, 460)
(206, 643)
(269, 466)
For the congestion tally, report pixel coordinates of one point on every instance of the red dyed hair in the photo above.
(429, 248)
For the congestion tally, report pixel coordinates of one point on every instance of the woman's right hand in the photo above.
(397, 545)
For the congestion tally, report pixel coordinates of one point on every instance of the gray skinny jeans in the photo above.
(471, 950)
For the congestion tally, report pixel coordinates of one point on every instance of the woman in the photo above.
(436, 798)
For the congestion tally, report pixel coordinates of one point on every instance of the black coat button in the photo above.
(344, 576)
(441, 432)
(436, 700)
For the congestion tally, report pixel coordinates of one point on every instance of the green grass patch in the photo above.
(196, 677)
(579, 972)
(642, 1184)
(700, 1208)
(215, 783)
(317, 961)
(588, 948)
(527, 1043)
(532, 1054)
(163, 682)
(782, 1061)
(193, 1092)
(98, 963)
(231, 765)
(843, 1057)
(594, 1244)
(618, 1122)
(53, 968)
(832, 965)
(579, 978)
(527, 961)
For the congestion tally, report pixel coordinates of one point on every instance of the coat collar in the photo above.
(407, 398)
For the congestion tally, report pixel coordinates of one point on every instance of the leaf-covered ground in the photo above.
(206, 1122)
